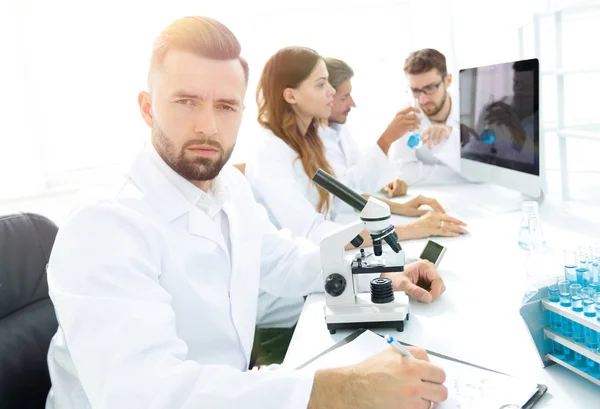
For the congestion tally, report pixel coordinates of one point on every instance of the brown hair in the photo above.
(339, 72)
(426, 60)
(287, 69)
(203, 36)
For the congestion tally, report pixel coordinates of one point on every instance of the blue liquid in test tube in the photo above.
(553, 296)
(558, 350)
(566, 327)
(553, 293)
(564, 293)
(576, 298)
(589, 305)
(570, 263)
(566, 324)
(569, 356)
(583, 256)
(591, 338)
(583, 276)
(593, 368)
(577, 306)
(580, 361)
(595, 269)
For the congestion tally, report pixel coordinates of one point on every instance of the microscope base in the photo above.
(366, 314)
(398, 325)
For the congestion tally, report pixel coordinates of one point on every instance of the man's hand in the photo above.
(435, 135)
(419, 280)
(404, 121)
(396, 188)
(412, 208)
(432, 224)
(386, 380)
(501, 113)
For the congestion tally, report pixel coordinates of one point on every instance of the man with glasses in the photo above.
(438, 160)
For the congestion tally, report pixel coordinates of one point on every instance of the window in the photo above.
(570, 85)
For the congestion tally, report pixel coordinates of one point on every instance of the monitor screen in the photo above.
(499, 115)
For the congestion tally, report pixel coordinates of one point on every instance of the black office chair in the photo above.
(27, 319)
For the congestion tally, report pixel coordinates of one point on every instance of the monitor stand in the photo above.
(502, 200)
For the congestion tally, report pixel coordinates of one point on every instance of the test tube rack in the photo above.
(536, 313)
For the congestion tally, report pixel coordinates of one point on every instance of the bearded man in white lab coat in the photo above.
(438, 160)
(155, 291)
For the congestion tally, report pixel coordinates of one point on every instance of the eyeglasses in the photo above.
(428, 90)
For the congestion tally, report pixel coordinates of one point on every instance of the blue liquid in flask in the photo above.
(488, 136)
(414, 140)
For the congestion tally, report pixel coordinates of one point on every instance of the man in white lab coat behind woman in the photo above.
(302, 135)
(155, 291)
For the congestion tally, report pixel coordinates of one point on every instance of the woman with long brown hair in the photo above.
(294, 101)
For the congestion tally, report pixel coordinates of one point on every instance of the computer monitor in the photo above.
(499, 125)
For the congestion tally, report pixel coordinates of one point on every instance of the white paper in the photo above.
(468, 387)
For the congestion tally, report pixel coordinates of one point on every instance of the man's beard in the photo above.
(437, 108)
(196, 169)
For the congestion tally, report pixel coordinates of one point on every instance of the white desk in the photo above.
(485, 279)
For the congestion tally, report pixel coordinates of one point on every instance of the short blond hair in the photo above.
(203, 36)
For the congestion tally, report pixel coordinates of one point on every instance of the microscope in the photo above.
(345, 306)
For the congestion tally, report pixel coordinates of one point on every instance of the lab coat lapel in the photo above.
(169, 201)
(201, 225)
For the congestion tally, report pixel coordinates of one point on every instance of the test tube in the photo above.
(595, 276)
(595, 287)
(583, 253)
(580, 361)
(553, 293)
(558, 350)
(587, 295)
(564, 293)
(591, 338)
(553, 296)
(570, 262)
(577, 306)
(576, 300)
(597, 301)
(566, 325)
(593, 368)
(586, 276)
(569, 356)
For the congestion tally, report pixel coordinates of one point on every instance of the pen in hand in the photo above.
(397, 346)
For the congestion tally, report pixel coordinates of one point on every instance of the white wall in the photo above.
(68, 94)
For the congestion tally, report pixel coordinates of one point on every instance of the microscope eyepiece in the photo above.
(338, 189)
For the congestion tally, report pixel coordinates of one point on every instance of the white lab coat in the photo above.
(153, 312)
(280, 183)
(365, 172)
(435, 166)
